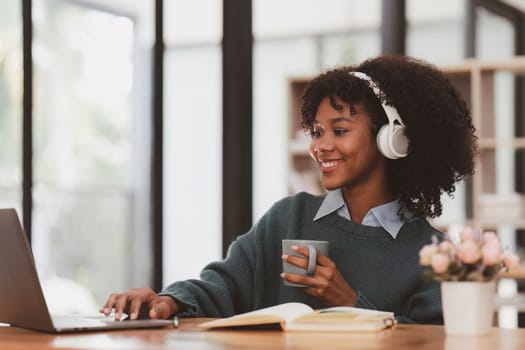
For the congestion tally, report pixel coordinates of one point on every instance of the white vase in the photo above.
(468, 307)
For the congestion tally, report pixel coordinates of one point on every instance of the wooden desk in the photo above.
(188, 337)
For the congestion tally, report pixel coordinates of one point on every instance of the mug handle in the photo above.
(312, 260)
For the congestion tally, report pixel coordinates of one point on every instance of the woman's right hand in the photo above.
(140, 303)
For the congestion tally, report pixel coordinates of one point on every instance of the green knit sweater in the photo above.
(385, 272)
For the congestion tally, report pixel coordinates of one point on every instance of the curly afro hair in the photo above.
(442, 139)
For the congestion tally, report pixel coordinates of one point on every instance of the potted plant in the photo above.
(467, 271)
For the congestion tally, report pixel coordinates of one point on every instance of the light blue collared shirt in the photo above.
(384, 215)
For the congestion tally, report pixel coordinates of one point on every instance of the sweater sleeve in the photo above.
(223, 287)
(424, 306)
(229, 286)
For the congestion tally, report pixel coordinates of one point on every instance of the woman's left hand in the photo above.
(327, 283)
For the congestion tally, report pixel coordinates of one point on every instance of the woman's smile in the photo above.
(328, 166)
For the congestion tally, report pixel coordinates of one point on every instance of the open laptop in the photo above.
(22, 302)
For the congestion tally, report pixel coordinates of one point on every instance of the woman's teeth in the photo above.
(329, 164)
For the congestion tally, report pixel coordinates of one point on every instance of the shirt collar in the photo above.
(384, 215)
(333, 201)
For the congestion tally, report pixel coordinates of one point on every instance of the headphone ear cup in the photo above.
(392, 141)
(382, 141)
(398, 141)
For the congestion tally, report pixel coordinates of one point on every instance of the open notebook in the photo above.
(22, 301)
(301, 317)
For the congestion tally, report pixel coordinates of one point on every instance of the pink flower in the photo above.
(469, 234)
(426, 253)
(469, 252)
(440, 263)
(447, 247)
(511, 261)
(478, 257)
(491, 249)
(490, 237)
(491, 254)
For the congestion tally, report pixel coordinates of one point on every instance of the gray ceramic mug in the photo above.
(313, 247)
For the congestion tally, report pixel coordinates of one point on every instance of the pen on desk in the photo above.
(176, 322)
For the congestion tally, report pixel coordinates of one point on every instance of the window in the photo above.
(91, 213)
(192, 137)
(11, 107)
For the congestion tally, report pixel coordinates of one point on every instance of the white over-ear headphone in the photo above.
(391, 139)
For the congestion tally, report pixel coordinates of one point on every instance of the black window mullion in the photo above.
(393, 27)
(157, 158)
(27, 117)
(237, 48)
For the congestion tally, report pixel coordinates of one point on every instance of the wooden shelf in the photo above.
(517, 302)
(298, 148)
(515, 65)
(518, 273)
(496, 208)
(493, 143)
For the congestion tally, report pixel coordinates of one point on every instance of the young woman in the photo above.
(390, 136)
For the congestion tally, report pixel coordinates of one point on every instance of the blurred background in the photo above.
(120, 122)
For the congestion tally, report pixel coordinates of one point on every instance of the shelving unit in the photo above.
(476, 81)
(302, 171)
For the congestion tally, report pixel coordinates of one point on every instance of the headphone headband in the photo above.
(391, 139)
(391, 112)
